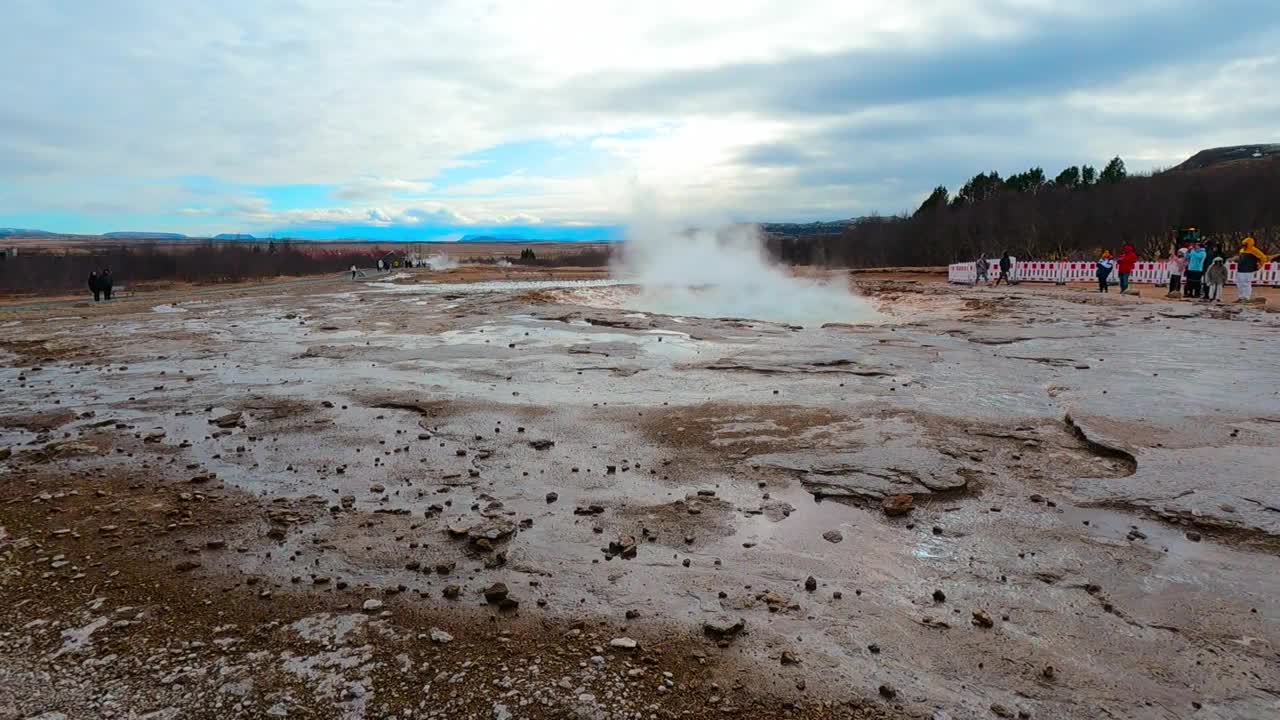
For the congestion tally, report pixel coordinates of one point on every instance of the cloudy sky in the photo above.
(422, 119)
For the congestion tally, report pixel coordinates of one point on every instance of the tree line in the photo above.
(134, 263)
(1073, 216)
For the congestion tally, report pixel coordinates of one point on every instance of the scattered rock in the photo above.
(372, 605)
(939, 596)
(1193, 536)
(982, 619)
(789, 658)
(227, 421)
(495, 593)
(832, 536)
(888, 692)
(542, 444)
(451, 592)
(623, 643)
(810, 584)
(1001, 711)
(897, 505)
(491, 531)
(552, 497)
(186, 566)
(723, 626)
(440, 637)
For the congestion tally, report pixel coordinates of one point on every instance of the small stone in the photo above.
(186, 566)
(440, 637)
(632, 614)
(372, 604)
(832, 536)
(939, 596)
(552, 497)
(724, 626)
(810, 584)
(1193, 536)
(1047, 673)
(982, 619)
(1001, 711)
(897, 505)
(452, 592)
(874, 649)
(789, 658)
(888, 692)
(623, 643)
(495, 593)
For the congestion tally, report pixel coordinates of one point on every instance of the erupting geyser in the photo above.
(726, 273)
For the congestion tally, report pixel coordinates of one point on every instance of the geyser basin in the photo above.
(805, 303)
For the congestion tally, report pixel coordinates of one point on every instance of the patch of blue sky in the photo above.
(545, 158)
(296, 197)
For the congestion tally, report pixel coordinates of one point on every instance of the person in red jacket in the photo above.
(1124, 266)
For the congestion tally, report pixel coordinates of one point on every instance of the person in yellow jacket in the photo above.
(1250, 261)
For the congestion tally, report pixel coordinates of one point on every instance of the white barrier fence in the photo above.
(1148, 273)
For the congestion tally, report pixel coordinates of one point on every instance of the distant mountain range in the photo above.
(24, 232)
(132, 235)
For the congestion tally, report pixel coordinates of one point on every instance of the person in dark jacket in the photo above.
(94, 287)
(1006, 265)
(104, 281)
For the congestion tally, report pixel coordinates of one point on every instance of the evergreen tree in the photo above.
(1069, 178)
(937, 199)
(1088, 176)
(1114, 172)
(1032, 180)
(979, 188)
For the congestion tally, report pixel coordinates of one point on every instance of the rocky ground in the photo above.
(524, 500)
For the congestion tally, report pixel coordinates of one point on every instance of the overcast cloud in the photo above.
(424, 117)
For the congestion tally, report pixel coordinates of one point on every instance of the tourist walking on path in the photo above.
(1105, 266)
(1250, 261)
(1128, 258)
(1006, 266)
(1215, 278)
(94, 287)
(104, 282)
(981, 266)
(1195, 269)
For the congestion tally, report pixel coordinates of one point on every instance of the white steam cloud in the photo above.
(440, 262)
(726, 273)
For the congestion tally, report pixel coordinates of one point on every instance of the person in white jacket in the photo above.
(1176, 267)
